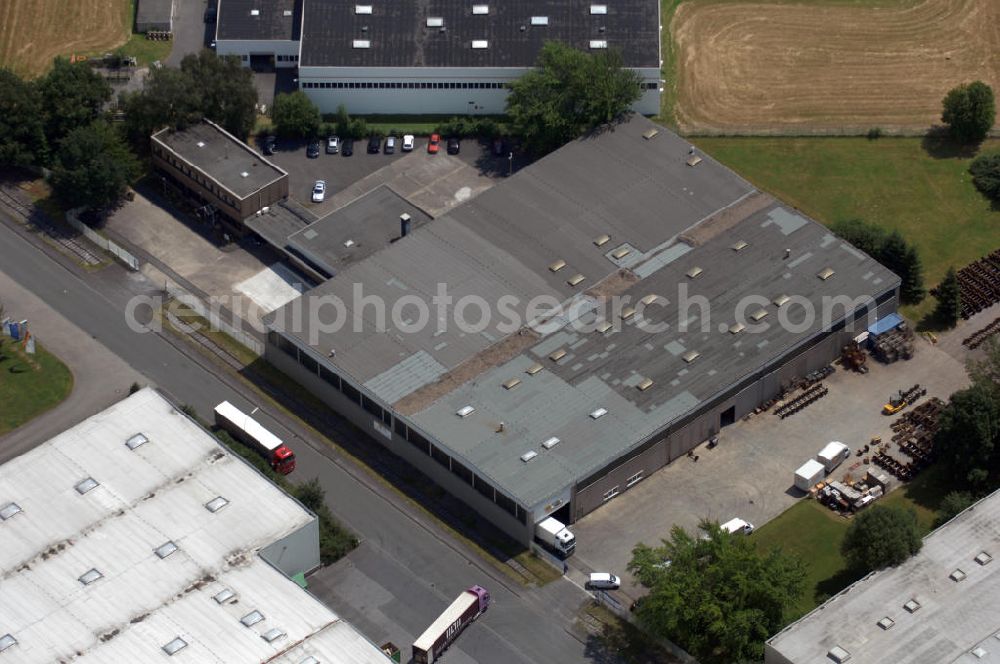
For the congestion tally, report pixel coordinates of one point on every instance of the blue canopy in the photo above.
(883, 325)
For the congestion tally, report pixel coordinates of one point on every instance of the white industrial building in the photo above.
(942, 606)
(438, 57)
(135, 537)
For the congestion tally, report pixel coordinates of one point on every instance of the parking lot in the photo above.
(750, 474)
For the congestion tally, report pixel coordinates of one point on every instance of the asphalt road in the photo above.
(416, 566)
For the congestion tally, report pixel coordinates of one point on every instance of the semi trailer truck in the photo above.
(436, 638)
(249, 431)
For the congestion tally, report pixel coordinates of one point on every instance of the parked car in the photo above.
(312, 150)
(269, 143)
(603, 581)
(374, 145)
(432, 145)
(390, 145)
(453, 145)
(408, 143)
(332, 145)
(347, 149)
(319, 191)
(498, 150)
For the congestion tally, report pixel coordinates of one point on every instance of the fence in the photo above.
(110, 246)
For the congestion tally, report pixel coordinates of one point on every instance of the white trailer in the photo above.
(556, 537)
(833, 455)
(809, 474)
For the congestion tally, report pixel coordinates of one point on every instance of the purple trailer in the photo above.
(469, 605)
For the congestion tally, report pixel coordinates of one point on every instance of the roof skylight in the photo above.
(216, 504)
(9, 510)
(252, 618)
(165, 549)
(528, 456)
(174, 646)
(83, 486)
(90, 576)
(136, 441)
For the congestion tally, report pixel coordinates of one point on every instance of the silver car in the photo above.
(319, 191)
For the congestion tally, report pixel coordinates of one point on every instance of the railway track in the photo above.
(69, 241)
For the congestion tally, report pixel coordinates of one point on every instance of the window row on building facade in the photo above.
(208, 184)
(402, 430)
(422, 85)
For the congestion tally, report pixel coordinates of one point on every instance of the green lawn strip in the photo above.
(29, 384)
(892, 182)
(813, 533)
(541, 572)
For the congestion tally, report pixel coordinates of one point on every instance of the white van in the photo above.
(603, 581)
(737, 526)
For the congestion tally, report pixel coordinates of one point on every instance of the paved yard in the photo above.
(750, 473)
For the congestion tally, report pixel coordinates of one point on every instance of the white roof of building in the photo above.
(137, 602)
(951, 620)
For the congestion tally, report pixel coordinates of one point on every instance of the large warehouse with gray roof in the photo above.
(681, 289)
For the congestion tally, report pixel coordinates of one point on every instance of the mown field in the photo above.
(822, 65)
(29, 384)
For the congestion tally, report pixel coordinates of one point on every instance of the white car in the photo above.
(603, 581)
(319, 191)
(407, 142)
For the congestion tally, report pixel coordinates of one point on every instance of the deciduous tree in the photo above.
(881, 537)
(22, 129)
(295, 116)
(967, 439)
(969, 111)
(985, 170)
(73, 96)
(93, 167)
(718, 597)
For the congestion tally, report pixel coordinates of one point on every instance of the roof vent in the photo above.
(165, 549)
(979, 652)
(273, 634)
(886, 623)
(86, 485)
(839, 655)
(912, 606)
(511, 384)
(758, 315)
(599, 413)
(480, 10)
(200, 144)
(252, 618)
(740, 246)
(575, 279)
(480, 43)
(736, 328)
(550, 443)
(216, 504)
(825, 273)
(362, 43)
(348, 243)
(435, 22)
(6, 641)
(136, 440)
(694, 272)
(598, 9)
(175, 646)
(465, 411)
(598, 43)
(650, 133)
(984, 558)
(693, 160)
(533, 369)
(528, 456)
(691, 356)
(558, 355)
(287, 12)
(957, 575)
(628, 312)
(90, 576)
(539, 20)
(9, 510)
(604, 327)
(558, 265)
(254, 12)
(362, 9)
(602, 240)
(781, 300)
(620, 253)
(223, 596)
(244, 174)
(645, 384)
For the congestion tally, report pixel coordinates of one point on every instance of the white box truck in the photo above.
(809, 474)
(833, 455)
(555, 537)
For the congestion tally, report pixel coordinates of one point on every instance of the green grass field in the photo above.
(917, 186)
(29, 384)
(814, 533)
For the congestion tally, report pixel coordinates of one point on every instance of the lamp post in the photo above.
(510, 164)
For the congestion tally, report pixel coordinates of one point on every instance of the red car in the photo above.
(432, 145)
